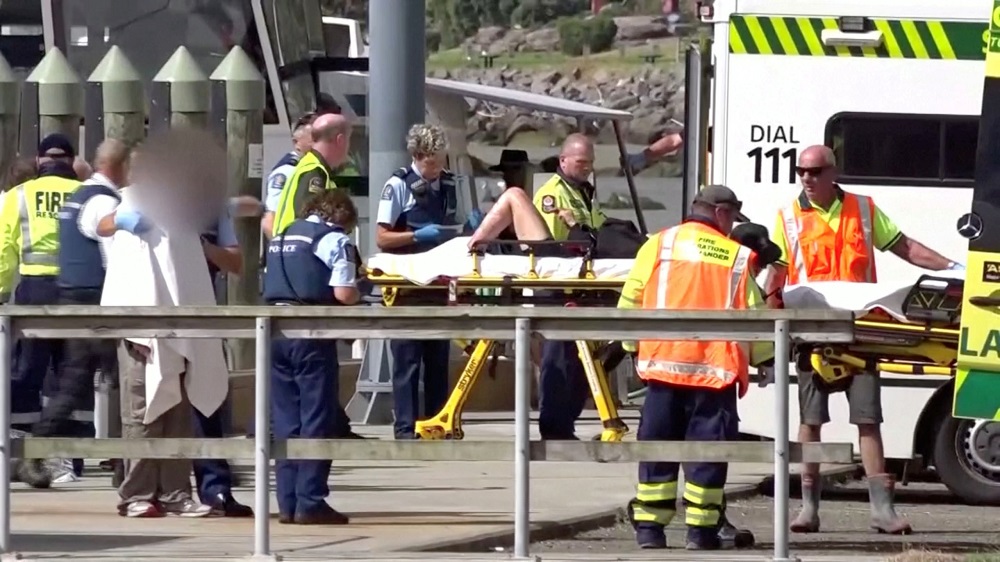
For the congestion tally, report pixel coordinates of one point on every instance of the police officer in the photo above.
(214, 476)
(29, 245)
(417, 207)
(312, 262)
(276, 180)
(565, 201)
(331, 134)
(692, 386)
(324, 141)
(82, 261)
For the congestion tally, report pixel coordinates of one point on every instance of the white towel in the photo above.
(160, 268)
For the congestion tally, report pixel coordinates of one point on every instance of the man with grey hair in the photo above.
(417, 213)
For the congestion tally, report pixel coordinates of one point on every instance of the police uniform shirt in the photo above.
(225, 231)
(95, 209)
(397, 199)
(277, 179)
(332, 250)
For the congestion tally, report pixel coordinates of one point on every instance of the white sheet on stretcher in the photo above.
(452, 260)
(856, 297)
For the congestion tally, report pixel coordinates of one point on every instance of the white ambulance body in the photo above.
(895, 86)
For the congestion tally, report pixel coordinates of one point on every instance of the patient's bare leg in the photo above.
(513, 207)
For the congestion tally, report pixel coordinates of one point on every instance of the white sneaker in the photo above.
(140, 509)
(187, 508)
(62, 471)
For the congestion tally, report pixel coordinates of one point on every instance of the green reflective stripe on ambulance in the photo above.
(906, 39)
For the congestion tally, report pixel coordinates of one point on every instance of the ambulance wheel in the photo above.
(967, 459)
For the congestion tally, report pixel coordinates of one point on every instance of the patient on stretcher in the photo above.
(512, 217)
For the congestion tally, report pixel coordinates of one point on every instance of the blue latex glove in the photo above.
(429, 233)
(131, 221)
(637, 162)
(955, 266)
(475, 219)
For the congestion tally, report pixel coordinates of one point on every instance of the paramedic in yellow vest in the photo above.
(828, 234)
(565, 201)
(692, 386)
(315, 171)
(29, 246)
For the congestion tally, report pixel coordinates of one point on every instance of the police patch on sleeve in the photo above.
(387, 193)
(316, 184)
(278, 181)
(548, 204)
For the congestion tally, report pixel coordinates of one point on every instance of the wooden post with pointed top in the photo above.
(9, 111)
(116, 104)
(238, 102)
(179, 96)
(52, 102)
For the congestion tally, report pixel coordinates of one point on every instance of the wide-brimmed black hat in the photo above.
(510, 159)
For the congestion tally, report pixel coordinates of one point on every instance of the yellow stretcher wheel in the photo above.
(833, 376)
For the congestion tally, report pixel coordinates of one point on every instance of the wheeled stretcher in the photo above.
(903, 329)
(906, 328)
(452, 275)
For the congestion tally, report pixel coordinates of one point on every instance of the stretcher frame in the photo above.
(926, 344)
(480, 290)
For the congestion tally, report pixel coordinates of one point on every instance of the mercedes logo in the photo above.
(970, 226)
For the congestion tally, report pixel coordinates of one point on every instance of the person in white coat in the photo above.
(156, 259)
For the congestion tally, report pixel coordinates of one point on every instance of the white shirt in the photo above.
(95, 209)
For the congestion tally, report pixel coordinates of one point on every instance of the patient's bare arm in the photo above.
(512, 208)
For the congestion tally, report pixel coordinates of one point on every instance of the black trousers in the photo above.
(74, 375)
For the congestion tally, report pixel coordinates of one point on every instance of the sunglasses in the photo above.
(812, 171)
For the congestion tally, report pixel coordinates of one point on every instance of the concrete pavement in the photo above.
(394, 507)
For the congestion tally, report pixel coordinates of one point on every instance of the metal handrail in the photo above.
(263, 323)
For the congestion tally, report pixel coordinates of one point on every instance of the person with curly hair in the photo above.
(310, 263)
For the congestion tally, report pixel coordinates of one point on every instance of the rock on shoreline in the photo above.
(653, 95)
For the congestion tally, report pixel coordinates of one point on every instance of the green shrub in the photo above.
(576, 35)
(601, 33)
(572, 36)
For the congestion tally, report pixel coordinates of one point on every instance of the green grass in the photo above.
(630, 57)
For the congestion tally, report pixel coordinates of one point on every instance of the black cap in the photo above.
(718, 195)
(56, 145)
(509, 159)
(756, 237)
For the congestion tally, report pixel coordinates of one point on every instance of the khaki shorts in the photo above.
(864, 399)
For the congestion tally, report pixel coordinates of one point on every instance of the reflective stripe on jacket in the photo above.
(698, 269)
(818, 253)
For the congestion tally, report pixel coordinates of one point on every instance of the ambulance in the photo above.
(896, 88)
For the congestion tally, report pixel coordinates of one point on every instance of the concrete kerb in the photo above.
(565, 528)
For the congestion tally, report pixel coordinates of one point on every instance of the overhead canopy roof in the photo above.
(528, 100)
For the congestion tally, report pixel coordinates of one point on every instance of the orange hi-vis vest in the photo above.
(698, 269)
(817, 253)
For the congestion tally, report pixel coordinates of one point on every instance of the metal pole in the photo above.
(395, 103)
(6, 348)
(522, 436)
(781, 382)
(262, 441)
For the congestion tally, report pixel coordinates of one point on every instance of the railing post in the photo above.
(6, 348)
(781, 383)
(522, 436)
(262, 439)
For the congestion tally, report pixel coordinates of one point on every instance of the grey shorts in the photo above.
(864, 399)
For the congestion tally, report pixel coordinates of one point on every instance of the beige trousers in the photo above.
(163, 480)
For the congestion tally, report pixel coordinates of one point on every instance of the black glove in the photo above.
(755, 237)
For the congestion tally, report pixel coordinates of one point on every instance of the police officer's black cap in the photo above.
(56, 145)
(510, 159)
